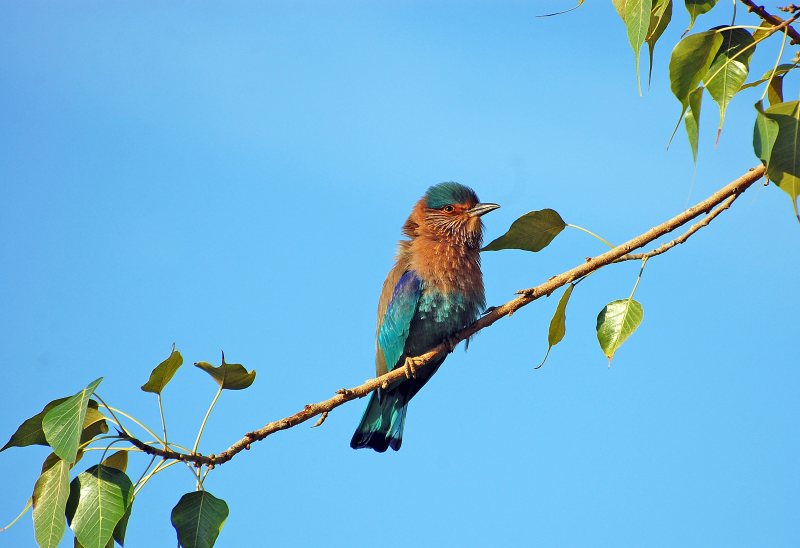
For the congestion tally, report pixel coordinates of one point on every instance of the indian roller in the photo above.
(434, 290)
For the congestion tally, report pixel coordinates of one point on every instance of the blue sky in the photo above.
(235, 177)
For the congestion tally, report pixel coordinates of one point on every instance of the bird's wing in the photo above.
(399, 304)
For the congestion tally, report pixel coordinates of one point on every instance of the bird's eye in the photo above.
(447, 209)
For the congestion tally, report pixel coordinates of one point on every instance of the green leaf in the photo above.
(690, 61)
(163, 373)
(659, 20)
(49, 501)
(30, 432)
(230, 376)
(98, 500)
(780, 70)
(775, 90)
(558, 324)
(729, 69)
(783, 161)
(532, 232)
(616, 322)
(118, 460)
(637, 22)
(692, 119)
(63, 424)
(93, 425)
(698, 7)
(764, 134)
(122, 525)
(198, 518)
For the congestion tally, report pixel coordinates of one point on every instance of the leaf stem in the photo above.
(155, 471)
(775, 68)
(145, 428)
(163, 420)
(111, 410)
(638, 278)
(590, 233)
(205, 419)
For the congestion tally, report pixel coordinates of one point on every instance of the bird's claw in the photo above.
(451, 343)
(411, 367)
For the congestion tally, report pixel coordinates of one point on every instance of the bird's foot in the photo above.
(411, 367)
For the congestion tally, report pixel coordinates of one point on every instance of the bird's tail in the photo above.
(381, 426)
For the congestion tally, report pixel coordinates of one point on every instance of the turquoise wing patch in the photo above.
(397, 320)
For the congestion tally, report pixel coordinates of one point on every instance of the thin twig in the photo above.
(771, 19)
(679, 240)
(525, 297)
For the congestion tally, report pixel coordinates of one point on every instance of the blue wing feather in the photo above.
(397, 320)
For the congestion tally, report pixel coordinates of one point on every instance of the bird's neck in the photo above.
(446, 266)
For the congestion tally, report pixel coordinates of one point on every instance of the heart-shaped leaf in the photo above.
(98, 500)
(690, 61)
(198, 519)
(616, 322)
(532, 232)
(729, 69)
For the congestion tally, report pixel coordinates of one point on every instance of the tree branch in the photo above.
(685, 236)
(773, 20)
(722, 198)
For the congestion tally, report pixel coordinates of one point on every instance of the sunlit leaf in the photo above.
(692, 119)
(230, 376)
(163, 373)
(532, 232)
(616, 322)
(637, 22)
(118, 460)
(30, 432)
(698, 7)
(97, 501)
(198, 519)
(690, 61)
(729, 69)
(49, 501)
(63, 424)
(783, 159)
(619, 5)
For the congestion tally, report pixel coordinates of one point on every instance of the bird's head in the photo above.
(449, 211)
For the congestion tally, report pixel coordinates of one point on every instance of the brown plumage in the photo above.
(434, 289)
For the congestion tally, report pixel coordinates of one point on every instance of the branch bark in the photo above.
(773, 20)
(721, 200)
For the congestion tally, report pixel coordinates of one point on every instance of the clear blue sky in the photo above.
(235, 177)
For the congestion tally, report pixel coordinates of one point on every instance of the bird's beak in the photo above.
(481, 209)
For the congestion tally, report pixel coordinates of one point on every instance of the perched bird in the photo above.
(434, 290)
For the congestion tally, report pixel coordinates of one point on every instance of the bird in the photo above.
(434, 290)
